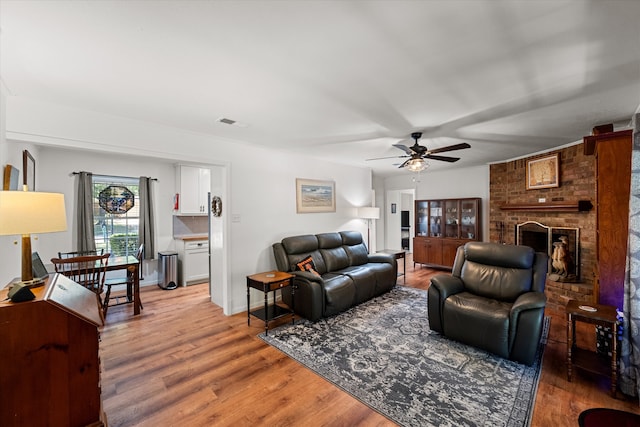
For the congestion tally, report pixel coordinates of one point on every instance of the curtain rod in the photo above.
(112, 176)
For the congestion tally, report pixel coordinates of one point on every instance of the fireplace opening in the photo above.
(561, 244)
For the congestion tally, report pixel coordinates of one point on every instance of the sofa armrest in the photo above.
(442, 287)
(388, 258)
(308, 276)
(309, 295)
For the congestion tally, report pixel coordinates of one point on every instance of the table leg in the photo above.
(404, 269)
(293, 303)
(266, 311)
(570, 339)
(614, 359)
(248, 307)
(137, 304)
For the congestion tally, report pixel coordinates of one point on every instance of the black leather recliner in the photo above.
(494, 299)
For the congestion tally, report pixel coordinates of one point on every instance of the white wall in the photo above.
(444, 184)
(261, 181)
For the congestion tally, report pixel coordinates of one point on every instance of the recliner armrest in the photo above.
(527, 301)
(447, 285)
(442, 287)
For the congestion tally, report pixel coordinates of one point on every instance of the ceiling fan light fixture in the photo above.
(417, 165)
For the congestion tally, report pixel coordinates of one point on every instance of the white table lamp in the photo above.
(30, 212)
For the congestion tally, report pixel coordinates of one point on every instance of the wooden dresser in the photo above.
(49, 363)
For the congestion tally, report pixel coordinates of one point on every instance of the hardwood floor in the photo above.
(182, 362)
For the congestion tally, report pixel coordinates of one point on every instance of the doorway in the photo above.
(399, 204)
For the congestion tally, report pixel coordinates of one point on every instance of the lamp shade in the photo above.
(30, 212)
(367, 212)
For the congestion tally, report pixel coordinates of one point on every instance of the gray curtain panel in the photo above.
(147, 220)
(630, 346)
(84, 213)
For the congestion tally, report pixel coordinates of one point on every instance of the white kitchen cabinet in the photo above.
(194, 183)
(193, 259)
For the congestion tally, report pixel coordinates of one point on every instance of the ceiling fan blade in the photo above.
(404, 163)
(404, 148)
(442, 158)
(450, 148)
(389, 157)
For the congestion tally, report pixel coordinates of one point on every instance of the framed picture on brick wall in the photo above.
(543, 172)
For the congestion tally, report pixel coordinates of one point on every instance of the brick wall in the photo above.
(577, 182)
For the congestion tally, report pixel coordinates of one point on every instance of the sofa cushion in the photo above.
(357, 254)
(340, 293)
(356, 250)
(364, 280)
(300, 244)
(478, 321)
(329, 240)
(307, 264)
(335, 258)
(386, 275)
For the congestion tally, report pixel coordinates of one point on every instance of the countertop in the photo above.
(191, 237)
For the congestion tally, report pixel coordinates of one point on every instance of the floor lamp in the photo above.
(368, 213)
(30, 212)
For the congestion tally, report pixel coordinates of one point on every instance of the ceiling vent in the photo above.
(225, 121)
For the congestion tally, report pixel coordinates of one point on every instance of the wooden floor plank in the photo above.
(182, 362)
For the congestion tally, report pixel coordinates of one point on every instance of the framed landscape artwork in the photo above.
(315, 196)
(543, 172)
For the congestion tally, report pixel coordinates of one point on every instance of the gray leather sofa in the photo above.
(493, 299)
(346, 274)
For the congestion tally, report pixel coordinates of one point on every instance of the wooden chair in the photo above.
(88, 271)
(126, 280)
(76, 254)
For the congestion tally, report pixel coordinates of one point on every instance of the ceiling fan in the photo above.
(417, 153)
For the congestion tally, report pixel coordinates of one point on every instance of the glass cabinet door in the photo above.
(468, 219)
(422, 218)
(452, 219)
(435, 219)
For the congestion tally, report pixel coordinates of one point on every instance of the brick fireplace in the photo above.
(561, 244)
(577, 183)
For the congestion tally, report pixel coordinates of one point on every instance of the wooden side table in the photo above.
(267, 282)
(605, 316)
(398, 254)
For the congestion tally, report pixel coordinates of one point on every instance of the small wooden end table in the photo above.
(266, 282)
(398, 254)
(595, 314)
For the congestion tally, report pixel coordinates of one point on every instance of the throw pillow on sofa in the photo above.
(307, 264)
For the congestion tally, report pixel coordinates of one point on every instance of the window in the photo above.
(116, 233)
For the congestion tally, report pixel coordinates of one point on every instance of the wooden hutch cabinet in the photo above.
(442, 226)
(50, 374)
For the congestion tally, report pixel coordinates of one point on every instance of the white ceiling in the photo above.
(343, 80)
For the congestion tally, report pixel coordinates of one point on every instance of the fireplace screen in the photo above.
(560, 243)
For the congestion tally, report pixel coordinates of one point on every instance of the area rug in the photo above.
(383, 353)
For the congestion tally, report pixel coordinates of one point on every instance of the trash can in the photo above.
(168, 270)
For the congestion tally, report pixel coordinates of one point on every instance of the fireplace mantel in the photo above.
(579, 206)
